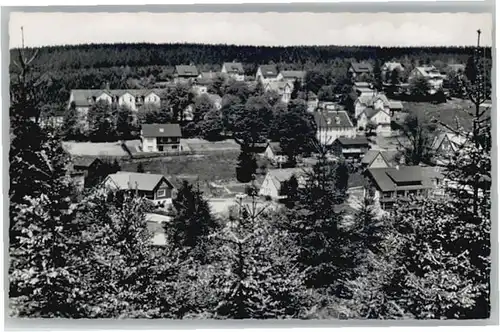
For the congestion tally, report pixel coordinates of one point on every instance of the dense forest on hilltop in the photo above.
(123, 65)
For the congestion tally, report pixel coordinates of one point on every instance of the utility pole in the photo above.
(22, 37)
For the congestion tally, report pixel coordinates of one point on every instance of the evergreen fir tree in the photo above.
(193, 221)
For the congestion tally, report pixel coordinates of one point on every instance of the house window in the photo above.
(401, 193)
(161, 193)
(387, 194)
(174, 147)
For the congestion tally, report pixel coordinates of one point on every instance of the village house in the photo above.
(233, 70)
(359, 68)
(351, 148)
(388, 185)
(82, 100)
(379, 117)
(266, 74)
(185, 74)
(379, 159)
(200, 86)
(275, 154)
(388, 67)
(292, 76)
(431, 74)
(445, 145)
(332, 125)
(86, 165)
(363, 88)
(53, 118)
(312, 102)
(154, 187)
(284, 89)
(272, 184)
(160, 137)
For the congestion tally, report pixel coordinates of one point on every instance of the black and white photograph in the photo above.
(249, 165)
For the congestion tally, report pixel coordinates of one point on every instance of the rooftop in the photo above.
(139, 181)
(360, 140)
(161, 130)
(331, 120)
(187, 71)
(234, 67)
(269, 70)
(361, 67)
(391, 179)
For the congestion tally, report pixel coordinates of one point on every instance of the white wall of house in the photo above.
(200, 89)
(149, 144)
(104, 97)
(358, 108)
(287, 94)
(268, 188)
(328, 136)
(233, 75)
(127, 100)
(152, 98)
(378, 162)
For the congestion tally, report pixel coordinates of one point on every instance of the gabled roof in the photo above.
(161, 130)
(280, 175)
(278, 86)
(269, 71)
(186, 71)
(454, 139)
(371, 155)
(234, 67)
(275, 147)
(293, 74)
(369, 100)
(331, 120)
(406, 174)
(83, 161)
(391, 65)
(361, 67)
(358, 141)
(139, 181)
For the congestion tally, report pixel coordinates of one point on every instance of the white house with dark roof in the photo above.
(131, 98)
(359, 68)
(185, 73)
(379, 117)
(154, 187)
(274, 179)
(388, 67)
(234, 70)
(160, 137)
(445, 145)
(267, 73)
(351, 147)
(332, 125)
(434, 78)
(402, 183)
(284, 89)
(292, 76)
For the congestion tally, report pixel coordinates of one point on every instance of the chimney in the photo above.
(397, 167)
(337, 119)
(107, 86)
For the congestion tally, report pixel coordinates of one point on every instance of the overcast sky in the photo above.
(383, 29)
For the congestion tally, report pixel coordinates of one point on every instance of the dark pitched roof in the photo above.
(338, 119)
(186, 71)
(353, 141)
(293, 74)
(269, 70)
(387, 179)
(234, 67)
(362, 67)
(161, 130)
(82, 161)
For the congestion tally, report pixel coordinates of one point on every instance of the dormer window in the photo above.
(161, 130)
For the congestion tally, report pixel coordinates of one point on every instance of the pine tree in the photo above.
(193, 221)
(125, 277)
(258, 275)
(70, 128)
(315, 224)
(101, 123)
(140, 168)
(247, 166)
